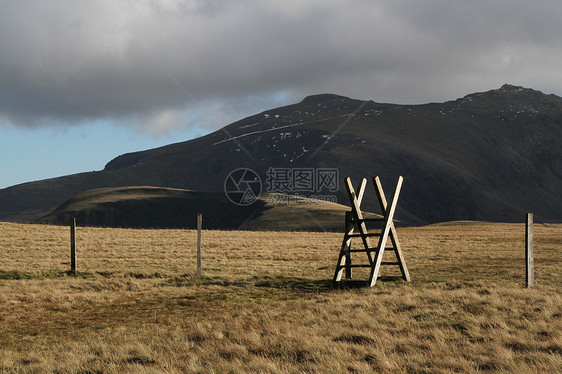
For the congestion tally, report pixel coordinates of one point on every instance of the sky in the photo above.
(82, 82)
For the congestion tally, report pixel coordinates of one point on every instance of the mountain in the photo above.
(491, 156)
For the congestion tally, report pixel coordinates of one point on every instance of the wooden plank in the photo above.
(399, 254)
(360, 193)
(369, 234)
(73, 245)
(393, 235)
(349, 227)
(389, 215)
(529, 256)
(358, 215)
(339, 268)
(344, 257)
(361, 190)
(380, 220)
(199, 227)
(352, 217)
(380, 194)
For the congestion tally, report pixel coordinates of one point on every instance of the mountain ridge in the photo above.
(490, 155)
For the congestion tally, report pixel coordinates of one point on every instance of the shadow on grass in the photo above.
(346, 284)
(285, 283)
(294, 284)
(279, 282)
(52, 274)
(18, 275)
(190, 280)
(298, 284)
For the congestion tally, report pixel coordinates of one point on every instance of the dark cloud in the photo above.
(159, 64)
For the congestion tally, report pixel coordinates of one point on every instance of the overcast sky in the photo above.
(84, 81)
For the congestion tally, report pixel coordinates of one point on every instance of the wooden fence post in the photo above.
(199, 225)
(73, 245)
(529, 257)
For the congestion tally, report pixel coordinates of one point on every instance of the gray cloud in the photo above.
(140, 62)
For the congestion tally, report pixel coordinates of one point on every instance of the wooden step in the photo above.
(370, 220)
(357, 266)
(367, 265)
(369, 234)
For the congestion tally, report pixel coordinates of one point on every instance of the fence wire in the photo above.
(455, 252)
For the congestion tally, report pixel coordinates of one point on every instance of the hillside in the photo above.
(154, 207)
(487, 156)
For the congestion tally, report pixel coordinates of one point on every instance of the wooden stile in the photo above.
(355, 220)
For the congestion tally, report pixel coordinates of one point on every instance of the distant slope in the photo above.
(488, 156)
(154, 207)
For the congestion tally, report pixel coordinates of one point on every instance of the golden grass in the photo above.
(265, 303)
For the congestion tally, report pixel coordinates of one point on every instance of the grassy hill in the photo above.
(156, 207)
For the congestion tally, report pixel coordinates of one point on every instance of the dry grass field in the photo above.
(265, 303)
